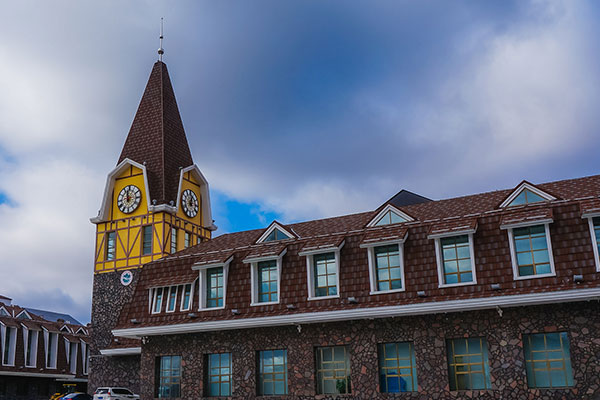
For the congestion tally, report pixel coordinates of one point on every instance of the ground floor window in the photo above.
(548, 360)
(272, 367)
(168, 377)
(333, 370)
(219, 374)
(468, 366)
(397, 367)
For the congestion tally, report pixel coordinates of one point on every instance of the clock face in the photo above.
(189, 202)
(129, 199)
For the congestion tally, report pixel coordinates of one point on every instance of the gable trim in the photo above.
(204, 193)
(522, 186)
(387, 208)
(274, 225)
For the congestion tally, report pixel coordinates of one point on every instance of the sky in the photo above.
(294, 110)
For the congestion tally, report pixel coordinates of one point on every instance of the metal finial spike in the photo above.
(161, 51)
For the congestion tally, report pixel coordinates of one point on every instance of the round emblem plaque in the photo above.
(126, 278)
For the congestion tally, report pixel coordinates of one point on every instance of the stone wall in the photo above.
(429, 333)
(109, 296)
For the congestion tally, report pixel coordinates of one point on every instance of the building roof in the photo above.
(157, 137)
(480, 213)
(54, 316)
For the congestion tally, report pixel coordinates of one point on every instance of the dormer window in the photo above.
(9, 344)
(51, 348)
(30, 337)
(24, 315)
(524, 194)
(3, 312)
(323, 272)
(157, 301)
(275, 232)
(265, 274)
(388, 216)
(213, 284)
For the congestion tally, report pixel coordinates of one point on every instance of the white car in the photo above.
(114, 393)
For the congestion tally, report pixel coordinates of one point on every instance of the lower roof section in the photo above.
(124, 351)
(367, 313)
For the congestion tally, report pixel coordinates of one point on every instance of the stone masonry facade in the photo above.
(428, 333)
(109, 297)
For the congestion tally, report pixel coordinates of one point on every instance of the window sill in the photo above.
(387, 291)
(266, 303)
(212, 308)
(449, 285)
(337, 296)
(520, 278)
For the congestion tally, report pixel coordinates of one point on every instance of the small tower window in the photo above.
(186, 240)
(147, 243)
(110, 245)
(173, 240)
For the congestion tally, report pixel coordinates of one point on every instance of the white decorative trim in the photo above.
(513, 254)
(254, 278)
(274, 225)
(24, 312)
(387, 208)
(452, 233)
(450, 306)
(7, 314)
(439, 257)
(81, 330)
(68, 329)
(382, 242)
(591, 214)
(204, 195)
(202, 283)
(594, 243)
(529, 187)
(310, 272)
(322, 250)
(523, 224)
(126, 351)
(373, 266)
(70, 378)
(110, 184)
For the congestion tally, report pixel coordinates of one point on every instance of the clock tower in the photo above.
(155, 202)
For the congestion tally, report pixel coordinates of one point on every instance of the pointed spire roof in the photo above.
(157, 137)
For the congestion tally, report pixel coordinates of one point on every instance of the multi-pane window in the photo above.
(186, 297)
(147, 240)
(325, 274)
(468, 366)
(276, 234)
(267, 281)
(389, 218)
(531, 250)
(72, 357)
(388, 269)
(173, 240)
(219, 374)
(214, 287)
(8, 352)
(333, 370)
(548, 360)
(397, 368)
(272, 367)
(186, 240)
(158, 298)
(31, 349)
(51, 350)
(456, 259)
(85, 355)
(168, 377)
(526, 197)
(172, 298)
(111, 245)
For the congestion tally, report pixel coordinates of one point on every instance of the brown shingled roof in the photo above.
(157, 137)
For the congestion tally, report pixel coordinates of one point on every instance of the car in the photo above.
(114, 393)
(76, 396)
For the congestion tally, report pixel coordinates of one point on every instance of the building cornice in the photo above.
(125, 351)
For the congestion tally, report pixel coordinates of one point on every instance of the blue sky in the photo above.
(294, 110)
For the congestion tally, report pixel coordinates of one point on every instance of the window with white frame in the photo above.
(212, 285)
(172, 298)
(186, 297)
(594, 223)
(323, 272)
(157, 300)
(386, 266)
(389, 215)
(275, 232)
(525, 194)
(455, 259)
(531, 250)
(3, 312)
(9, 344)
(265, 279)
(85, 357)
(71, 350)
(51, 348)
(30, 339)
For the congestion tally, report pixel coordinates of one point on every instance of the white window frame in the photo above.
(174, 239)
(54, 350)
(590, 218)
(23, 312)
(13, 344)
(84, 360)
(254, 278)
(71, 356)
(202, 283)
(513, 255)
(68, 330)
(275, 225)
(154, 298)
(373, 267)
(393, 209)
(189, 307)
(169, 299)
(7, 314)
(520, 188)
(34, 346)
(310, 270)
(439, 256)
(84, 332)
